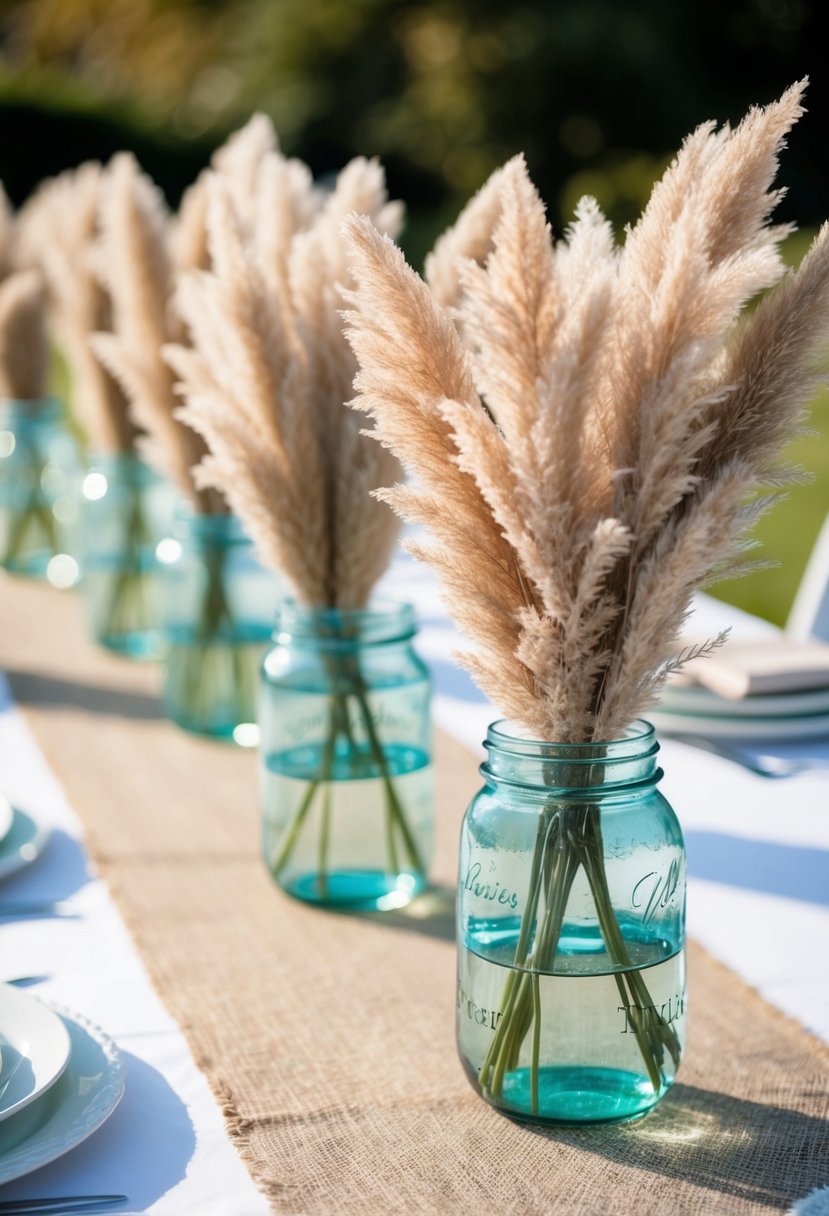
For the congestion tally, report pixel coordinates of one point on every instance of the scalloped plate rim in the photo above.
(6, 817)
(77, 1117)
(16, 857)
(51, 1038)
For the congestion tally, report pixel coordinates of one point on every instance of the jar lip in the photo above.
(47, 406)
(382, 621)
(223, 527)
(508, 736)
(626, 763)
(128, 465)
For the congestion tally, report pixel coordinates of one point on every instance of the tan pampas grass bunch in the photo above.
(268, 375)
(24, 356)
(586, 427)
(24, 353)
(586, 430)
(266, 382)
(59, 229)
(30, 480)
(135, 264)
(212, 655)
(140, 251)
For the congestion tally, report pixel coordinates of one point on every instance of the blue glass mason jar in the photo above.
(217, 607)
(571, 930)
(38, 471)
(346, 757)
(126, 509)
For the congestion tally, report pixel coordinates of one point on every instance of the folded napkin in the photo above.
(762, 666)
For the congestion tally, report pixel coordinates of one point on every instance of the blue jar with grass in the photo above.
(39, 467)
(571, 998)
(346, 756)
(126, 509)
(218, 605)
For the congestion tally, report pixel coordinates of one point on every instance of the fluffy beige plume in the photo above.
(598, 437)
(468, 239)
(701, 250)
(414, 377)
(188, 229)
(134, 259)
(363, 533)
(273, 198)
(6, 234)
(286, 203)
(58, 229)
(239, 162)
(266, 379)
(762, 379)
(24, 353)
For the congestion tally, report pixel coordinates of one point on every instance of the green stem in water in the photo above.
(291, 837)
(215, 668)
(325, 821)
(536, 1042)
(548, 822)
(393, 805)
(128, 610)
(345, 676)
(569, 838)
(34, 514)
(652, 1033)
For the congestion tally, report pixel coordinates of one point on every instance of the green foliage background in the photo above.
(597, 93)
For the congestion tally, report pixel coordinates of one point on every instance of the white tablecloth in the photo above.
(758, 899)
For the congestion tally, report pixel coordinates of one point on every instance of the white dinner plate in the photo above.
(695, 700)
(6, 817)
(22, 844)
(69, 1112)
(806, 726)
(35, 1050)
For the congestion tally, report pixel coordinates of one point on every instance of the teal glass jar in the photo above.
(217, 609)
(39, 467)
(346, 757)
(126, 509)
(571, 930)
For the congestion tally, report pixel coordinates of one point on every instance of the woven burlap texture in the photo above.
(329, 1038)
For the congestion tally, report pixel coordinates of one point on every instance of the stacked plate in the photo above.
(60, 1078)
(693, 710)
(22, 839)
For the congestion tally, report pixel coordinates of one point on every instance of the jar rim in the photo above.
(129, 465)
(47, 406)
(381, 621)
(513, 758)
(221, 528)
(508, 736)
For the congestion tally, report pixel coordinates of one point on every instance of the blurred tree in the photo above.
(150, 50)
(597, 93)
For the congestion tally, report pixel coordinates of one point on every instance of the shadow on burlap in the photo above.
(329, 1039)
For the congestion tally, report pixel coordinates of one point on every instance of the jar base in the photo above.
(31, 565)
(360, 890)
(237, 731)
(144, 647)
(575, 1096)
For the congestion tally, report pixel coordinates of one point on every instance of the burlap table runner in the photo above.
(329, 1038)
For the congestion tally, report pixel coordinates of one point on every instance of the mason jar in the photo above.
(126, 509)
(571, 996)
(217, 608)
(346, 756)
(38, 472)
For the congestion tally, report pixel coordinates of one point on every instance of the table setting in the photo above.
(245, 965)
(61, 1076)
